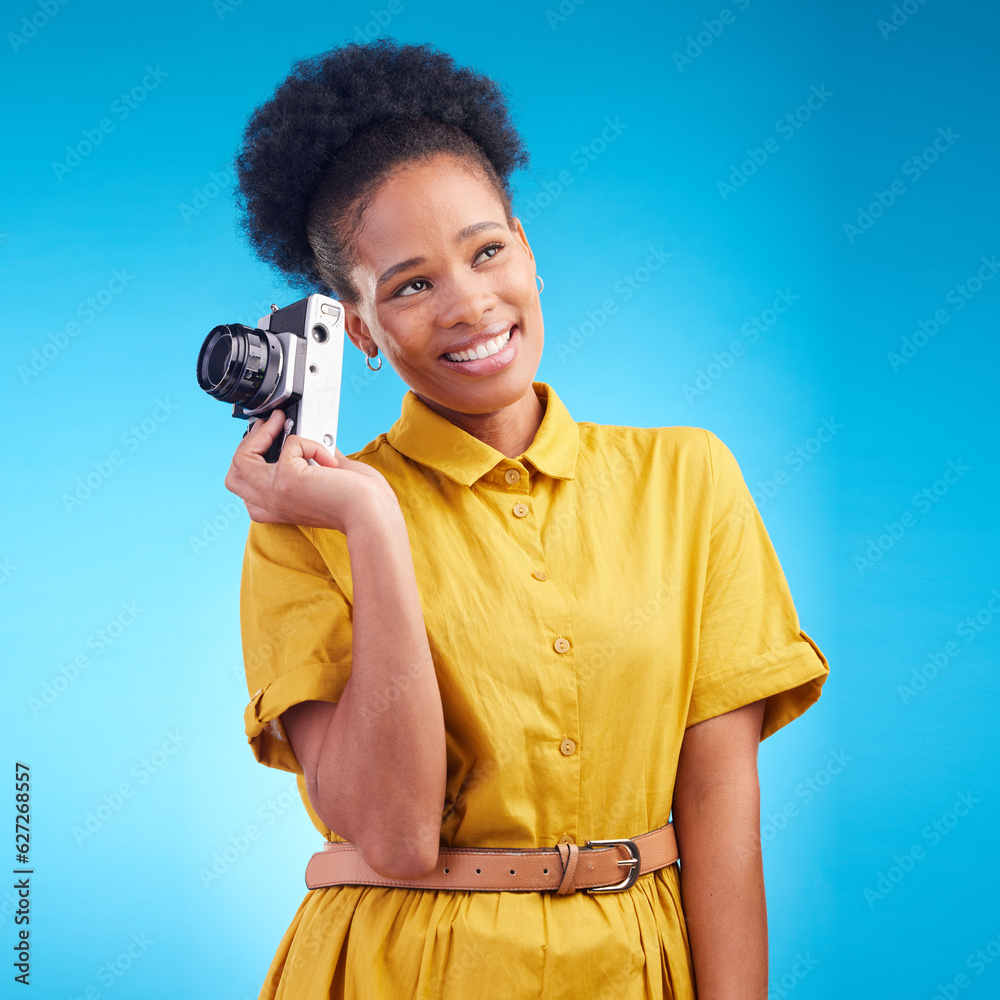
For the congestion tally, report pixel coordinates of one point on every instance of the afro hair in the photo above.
(315, 153)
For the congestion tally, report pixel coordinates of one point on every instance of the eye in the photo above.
(399, 293)
(496, 247)
(410, 287)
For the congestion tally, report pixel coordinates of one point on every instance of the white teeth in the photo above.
(485, 350)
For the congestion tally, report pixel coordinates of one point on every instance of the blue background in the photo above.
(883, 578)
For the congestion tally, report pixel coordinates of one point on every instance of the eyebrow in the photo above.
(464, 234)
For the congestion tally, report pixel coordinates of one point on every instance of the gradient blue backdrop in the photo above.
(897, 585)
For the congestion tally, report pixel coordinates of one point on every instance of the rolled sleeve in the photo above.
(751, 646)
(296, 630)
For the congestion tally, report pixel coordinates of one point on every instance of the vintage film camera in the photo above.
(292, 360)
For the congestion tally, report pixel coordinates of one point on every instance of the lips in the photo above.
(487, 349)
(472, 343)
(492, 363)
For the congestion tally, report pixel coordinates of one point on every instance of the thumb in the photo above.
(258, 440)
(311, 451)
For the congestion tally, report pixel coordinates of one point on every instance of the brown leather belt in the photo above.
(595, 867)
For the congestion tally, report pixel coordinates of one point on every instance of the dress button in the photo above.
(540, 574)
(567, 747)
(561, 645)
(566, 839)
(520, 510)
(512, 476)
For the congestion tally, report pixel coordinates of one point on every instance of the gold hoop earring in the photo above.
(540, 290)
(368, 362)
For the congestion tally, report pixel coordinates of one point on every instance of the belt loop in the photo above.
(568, 886)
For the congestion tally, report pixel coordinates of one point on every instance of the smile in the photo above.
(486, 358)
(485, 350)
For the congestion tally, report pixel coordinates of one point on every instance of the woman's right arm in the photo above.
(374, 762)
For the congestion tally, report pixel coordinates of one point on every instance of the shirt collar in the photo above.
(430, 439)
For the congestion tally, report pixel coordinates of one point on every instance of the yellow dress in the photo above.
(642, 550)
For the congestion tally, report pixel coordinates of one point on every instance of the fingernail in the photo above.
(288, 425)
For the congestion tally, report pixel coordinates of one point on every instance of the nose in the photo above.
(464, 298)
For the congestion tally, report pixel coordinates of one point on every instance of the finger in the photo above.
(300, 447)
(354, 465)
(344, 460)
(263, 434)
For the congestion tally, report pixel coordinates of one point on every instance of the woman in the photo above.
(493, 626)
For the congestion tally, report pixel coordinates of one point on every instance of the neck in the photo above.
(509, 430)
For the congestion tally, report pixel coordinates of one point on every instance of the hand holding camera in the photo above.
(335, 492)
(284, 379)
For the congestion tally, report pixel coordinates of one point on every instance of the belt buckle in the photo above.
(633, 848)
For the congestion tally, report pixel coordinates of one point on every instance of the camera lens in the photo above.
(239, 365)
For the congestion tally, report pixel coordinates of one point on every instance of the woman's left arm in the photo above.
(716, 811)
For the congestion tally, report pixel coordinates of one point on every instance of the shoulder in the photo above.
(651, 466)
(677, 446)
(373, 452)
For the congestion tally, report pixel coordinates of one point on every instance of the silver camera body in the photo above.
(292, 361)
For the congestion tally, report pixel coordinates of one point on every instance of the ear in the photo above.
(357, 330)
(519, 234)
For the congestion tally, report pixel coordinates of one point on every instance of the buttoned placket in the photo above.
(508, 489)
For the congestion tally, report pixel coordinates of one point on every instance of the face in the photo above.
(441, 272)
